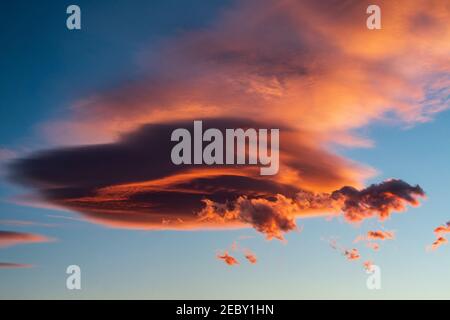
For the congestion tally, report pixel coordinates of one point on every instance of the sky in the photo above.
(86, 177)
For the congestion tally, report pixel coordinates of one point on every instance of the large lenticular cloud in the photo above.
(310, 68)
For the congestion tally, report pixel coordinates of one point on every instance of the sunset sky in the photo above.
(86, 176)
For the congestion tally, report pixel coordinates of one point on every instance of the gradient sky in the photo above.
(46, 69)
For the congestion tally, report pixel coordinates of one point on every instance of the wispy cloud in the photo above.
(375, 235)
(228, 259)
(368, 265)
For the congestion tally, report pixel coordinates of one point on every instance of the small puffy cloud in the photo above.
(11, 265)
(368, 265)
(273, 218)
(442, 229)
(276, 216)
(374, 235)
(373, 245)
(229, 260)
(7, 154)
(250, 256)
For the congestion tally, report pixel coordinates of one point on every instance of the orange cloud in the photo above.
(376, 235)
(229, 260)
(380, 235)
(7, 154)
(277, 216)
(250, 256)
(352, 254)
(11, 238)
(439, 233)
(272, 218)
(368, 265)
(373, 245)
(25, 223)
(442, 229)
(310, 68)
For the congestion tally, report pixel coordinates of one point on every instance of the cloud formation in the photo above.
(25, 223)
(251, 257)
(438, 242)
(373, 245)
(229, 260)
(380, 235)
(307, 64)
(442, 229)
(352, 254)
(310, 68)
(277, 216)
(11, 238)
(373, 235)
(378, 200)
(11, 265)
(440, 238)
